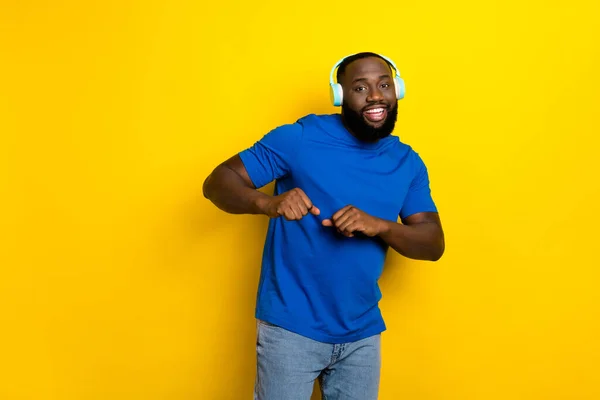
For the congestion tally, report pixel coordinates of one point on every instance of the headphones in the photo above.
(337, 94)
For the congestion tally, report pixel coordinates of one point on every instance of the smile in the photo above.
(375, 114)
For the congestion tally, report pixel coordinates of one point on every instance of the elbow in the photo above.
(206, 187)
(436, 256)
(438, 251)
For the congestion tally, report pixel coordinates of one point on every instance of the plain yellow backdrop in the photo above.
(118, 280)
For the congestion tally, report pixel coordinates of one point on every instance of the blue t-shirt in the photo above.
(314, 281)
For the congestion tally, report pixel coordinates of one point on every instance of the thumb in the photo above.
(314, 210)
(327, 222)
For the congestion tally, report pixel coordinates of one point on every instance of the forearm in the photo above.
(424, 241)
(228, 191)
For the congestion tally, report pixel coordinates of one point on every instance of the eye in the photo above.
(385, 85)
(359, 89)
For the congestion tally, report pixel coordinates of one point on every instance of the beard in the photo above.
(355, 122)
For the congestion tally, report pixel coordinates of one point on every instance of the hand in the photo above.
(350, 219)
(292, 205)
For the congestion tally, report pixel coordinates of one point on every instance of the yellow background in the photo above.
(118, 280)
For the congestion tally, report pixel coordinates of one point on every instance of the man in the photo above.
(342, 181)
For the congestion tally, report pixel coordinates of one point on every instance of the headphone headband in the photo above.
(350, 55)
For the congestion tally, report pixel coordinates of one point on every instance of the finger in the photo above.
(328, 222)
(314, 210)
(310, 207)
(347, 234)
(290, 214)
(348, 223)
(343, 219)
(341, 212)
(298, 212)
(305, 199)
(299, 207)
(353, 227)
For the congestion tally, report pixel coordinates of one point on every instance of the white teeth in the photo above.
(375, 111)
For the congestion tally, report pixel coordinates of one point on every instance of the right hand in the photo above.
(292, 205)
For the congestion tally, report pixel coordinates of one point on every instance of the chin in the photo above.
(375, 125)
(366, 130)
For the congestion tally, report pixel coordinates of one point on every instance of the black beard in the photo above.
(365, 132)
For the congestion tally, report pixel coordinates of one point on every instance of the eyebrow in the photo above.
(364, 79)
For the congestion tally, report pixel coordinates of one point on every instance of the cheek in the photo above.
(355, 102)
(390, 96)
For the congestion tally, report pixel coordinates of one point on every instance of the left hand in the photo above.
(350, 219)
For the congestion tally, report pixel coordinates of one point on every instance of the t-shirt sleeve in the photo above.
(272, 157)
(419, 197)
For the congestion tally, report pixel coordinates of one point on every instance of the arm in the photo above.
(230, 188)
(421, 237)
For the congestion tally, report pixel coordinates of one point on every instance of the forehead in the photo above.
(365, 67)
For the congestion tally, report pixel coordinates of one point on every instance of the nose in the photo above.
(375, 95)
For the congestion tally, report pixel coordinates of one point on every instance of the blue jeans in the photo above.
(288, 364)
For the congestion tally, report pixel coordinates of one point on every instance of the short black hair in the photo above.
(354, 57)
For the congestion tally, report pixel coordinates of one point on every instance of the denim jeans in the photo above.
(288, 364)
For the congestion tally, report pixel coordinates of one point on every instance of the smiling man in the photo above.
(369, 115)
(342, 181)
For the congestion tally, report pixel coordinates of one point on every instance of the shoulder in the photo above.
(411, 153)
(308, 123)
(311, 125)
(311, 122)
(412, 159)
(290, 132)
(419, 170)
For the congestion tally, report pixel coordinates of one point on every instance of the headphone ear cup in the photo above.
(400, 88)
(337, 94)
